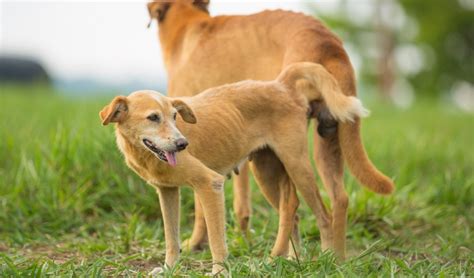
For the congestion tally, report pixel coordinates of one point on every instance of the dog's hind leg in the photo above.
(328, 154)
(330, 166)
(288, 222)
(277, 188)
(293, 153)
(242, 194)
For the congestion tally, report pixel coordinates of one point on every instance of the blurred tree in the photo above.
(398, 45)
(23, 71)
(447, 28)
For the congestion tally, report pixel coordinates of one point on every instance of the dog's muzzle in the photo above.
(166, 156)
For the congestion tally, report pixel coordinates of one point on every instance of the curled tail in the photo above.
(321, 85)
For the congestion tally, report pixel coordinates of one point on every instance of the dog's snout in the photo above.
(181, 144)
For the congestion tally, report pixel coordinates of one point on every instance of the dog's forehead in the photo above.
(144, 100)
(172, 1)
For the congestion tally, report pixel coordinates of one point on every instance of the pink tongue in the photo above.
(171, 157)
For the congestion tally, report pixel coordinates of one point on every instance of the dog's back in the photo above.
(258, 46)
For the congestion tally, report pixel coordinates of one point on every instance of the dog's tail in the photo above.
(316, 83)
(359, 163)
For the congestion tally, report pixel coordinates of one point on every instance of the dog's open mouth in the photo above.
(169, 157)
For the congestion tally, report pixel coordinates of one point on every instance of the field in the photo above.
(70, 207)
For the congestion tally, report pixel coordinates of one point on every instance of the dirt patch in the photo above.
(3, 248)
(55, 253)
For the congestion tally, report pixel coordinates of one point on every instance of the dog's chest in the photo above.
(150, 174)
(159, 183)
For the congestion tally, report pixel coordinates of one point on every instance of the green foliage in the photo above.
(441, 32)
(448, 29)
(70, 207)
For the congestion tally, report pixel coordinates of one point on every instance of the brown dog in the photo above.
(201, 51)
(228, 123)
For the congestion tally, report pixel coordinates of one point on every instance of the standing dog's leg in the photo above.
(199, 236)
(242, 209)
(302, 175)
(329, 161)
(288, 225)
(209, 188)
(211, 195)
(328, 155)
(169, 203)
(242, 196)
(293, 153)
(277, 188)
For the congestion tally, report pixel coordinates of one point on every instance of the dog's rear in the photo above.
(317, 84)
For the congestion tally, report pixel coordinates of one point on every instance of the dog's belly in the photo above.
(224, 157)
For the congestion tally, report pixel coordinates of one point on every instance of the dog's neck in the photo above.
(130, 151)
(172, 30)
(144, 163)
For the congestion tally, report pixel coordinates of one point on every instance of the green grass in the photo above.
(70, 207)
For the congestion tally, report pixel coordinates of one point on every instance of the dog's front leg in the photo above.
(211, 195)
(169, 203)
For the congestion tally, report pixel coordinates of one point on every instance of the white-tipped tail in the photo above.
(343, 108)
(356, 109)
(323, 86)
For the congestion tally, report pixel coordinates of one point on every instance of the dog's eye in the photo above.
(154, 118)
(174, 116)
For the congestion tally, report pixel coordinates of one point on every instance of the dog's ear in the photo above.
(202, 4)
(184, 110)
(158, 10)
(115, 111)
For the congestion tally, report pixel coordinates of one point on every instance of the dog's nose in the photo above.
(181, 144)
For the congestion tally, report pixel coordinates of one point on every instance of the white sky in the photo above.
(103, 40)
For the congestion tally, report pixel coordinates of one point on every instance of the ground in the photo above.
(70, 207)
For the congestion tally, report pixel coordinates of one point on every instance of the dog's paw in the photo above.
(292, 254)
(218, 270)
(156, 272)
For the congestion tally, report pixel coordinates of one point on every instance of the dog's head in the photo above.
(147, 120)
(159, 8)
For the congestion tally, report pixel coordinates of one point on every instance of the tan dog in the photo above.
(223, 126)
(201, 51)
